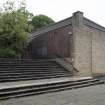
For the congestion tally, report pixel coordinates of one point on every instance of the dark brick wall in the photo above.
(54, 43)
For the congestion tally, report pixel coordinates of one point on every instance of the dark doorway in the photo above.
(40, 52)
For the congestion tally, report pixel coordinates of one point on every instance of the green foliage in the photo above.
(41, 21)
(7, 52)
(14, 28)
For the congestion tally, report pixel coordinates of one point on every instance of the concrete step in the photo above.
(23, 73)
(33, 71)
(29, 66)
(25, 62)
(7, 68)
(7, 90)
(4, 66)
(33, 78)
(44, 88)
(30, 73)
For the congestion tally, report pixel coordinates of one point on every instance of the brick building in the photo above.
(77, 39)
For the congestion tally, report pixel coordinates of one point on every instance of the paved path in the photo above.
(93, 95)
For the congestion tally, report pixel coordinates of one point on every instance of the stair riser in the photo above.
(25, 76)
(13, 69)
(15, 62)
(37, 70)
(27, 67)
(32, 78)
(30, 74)
(33, 71)
(29, 63)
(45, 90)
(52, 85)
(48, 84)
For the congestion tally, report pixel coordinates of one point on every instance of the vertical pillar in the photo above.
(77, 19)
(81, 45)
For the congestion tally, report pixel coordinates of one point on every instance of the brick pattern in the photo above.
(57, 42)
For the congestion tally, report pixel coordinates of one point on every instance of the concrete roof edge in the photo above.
(93, 24)
(51, 27)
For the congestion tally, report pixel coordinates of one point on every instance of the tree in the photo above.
(40, 21)
(14, 29)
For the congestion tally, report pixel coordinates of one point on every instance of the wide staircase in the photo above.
(18, 78)
(48, 87)
(26, 69)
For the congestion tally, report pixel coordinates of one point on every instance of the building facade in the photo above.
(77, 38)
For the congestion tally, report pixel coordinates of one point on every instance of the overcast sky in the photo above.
(61, 9)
